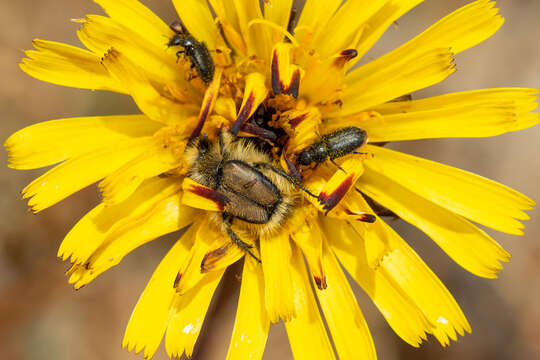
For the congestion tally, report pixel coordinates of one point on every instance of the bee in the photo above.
(258, 196)
(333, 145)
(197, 52)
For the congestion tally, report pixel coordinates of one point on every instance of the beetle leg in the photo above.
(337, 165)
(286, 176)
(179, 53)
(242, 245)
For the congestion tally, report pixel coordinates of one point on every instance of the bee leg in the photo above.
(242, 245)
(179, 53)
(287, 177)
(337, 165)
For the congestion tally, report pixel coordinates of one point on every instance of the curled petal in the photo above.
(254, 94)
(67, 65)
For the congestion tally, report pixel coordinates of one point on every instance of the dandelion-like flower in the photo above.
(253, 138)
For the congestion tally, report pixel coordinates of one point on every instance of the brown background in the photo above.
(41, 317)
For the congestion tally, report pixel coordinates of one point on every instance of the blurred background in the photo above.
(42, 317)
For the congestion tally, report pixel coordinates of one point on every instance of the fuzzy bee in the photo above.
(254, 193)
(198, 53)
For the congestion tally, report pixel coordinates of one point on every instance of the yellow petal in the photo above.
(197, 18)
(149, 319)
(151, 102)
(345, 320)
(251, 323)
(467, 114)
(462, 29)
(79, 172)
(278, 285)
(309, 239)
(51, 142)
(341, 182)
(254, 94)
(165, 217)
(304, 125)
(187, 315)
(285, 75)
(472, 196)
(344, 26)
(278, 12)
(361, 259)
(138, 18)
(90, 232)
(469, 246)
(67, 65)
(379, 22)
(100, 33)
(412, 275)
(119, 185)
(202, 197)
(314, 17)
(257, 38)
(207, 106)
(306, 332)
(394, 74)
(323, 81)
(207, 239)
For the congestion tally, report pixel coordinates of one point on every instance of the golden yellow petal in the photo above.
(202, 197)
(90, 232)
(343, 28)
(278, 11)
(469, 246)
(323, 81)
(81, 171)
(207, 106)
(254, 94)
(462, 29)
(379, 22)
(67, 65)
(304, 125)
(345, 320)
(207, 239)
(314, 18)
(157, 106)
(251, 323)
(257, 38)
(474, 197)
(187, 315)
(306, 332)
(197, 18)
(138, 18)
(119, 185)
(164, 217)
(467, 114)
(394, 74)
(150, 316)
(412, 275)
(341, 182)
(309, 239)
(51, 142)
(361, 257)
(285, 75)
(279, 289)
(154, 59)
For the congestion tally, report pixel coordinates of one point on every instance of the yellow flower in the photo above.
(283, 82)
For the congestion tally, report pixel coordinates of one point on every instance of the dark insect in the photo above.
(333, 145)
(244, 180)
(197, 52)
